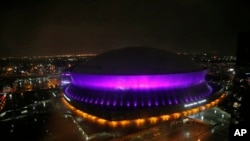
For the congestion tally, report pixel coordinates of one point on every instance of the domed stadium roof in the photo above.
(136, 61)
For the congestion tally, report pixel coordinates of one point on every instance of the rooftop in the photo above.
(137, 60)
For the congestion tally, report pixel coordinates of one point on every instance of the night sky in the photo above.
(57, 27)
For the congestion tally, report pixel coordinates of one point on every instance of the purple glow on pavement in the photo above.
(137, 82)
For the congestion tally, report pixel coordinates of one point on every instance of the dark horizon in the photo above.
(47, 28)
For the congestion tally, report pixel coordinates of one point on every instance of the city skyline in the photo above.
(35, 88)
(45, 28)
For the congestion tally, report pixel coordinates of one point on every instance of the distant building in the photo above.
(243, 50)
(140, 85)
(241, 93)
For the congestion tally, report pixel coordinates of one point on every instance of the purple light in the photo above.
(135, 104)
(114, 103)
(102, 102)
(185, 92)
(128, 104)
(137, 82)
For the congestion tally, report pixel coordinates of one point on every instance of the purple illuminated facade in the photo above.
(114, 86)
(138, 82)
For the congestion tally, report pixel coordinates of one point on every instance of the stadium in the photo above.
(139, 85)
